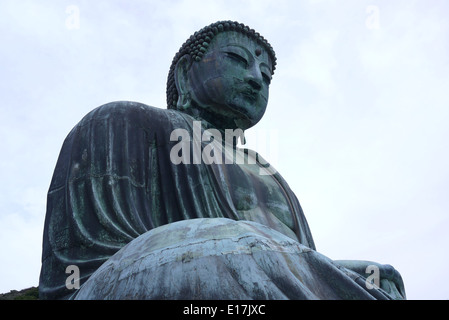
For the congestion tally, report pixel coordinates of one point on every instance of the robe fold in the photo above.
(114, 181)
(137, 225)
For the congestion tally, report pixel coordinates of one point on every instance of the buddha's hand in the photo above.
(384, 276)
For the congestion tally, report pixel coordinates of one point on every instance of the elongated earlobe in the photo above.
(182, 82)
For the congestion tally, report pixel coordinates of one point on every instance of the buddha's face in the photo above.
(231, 81)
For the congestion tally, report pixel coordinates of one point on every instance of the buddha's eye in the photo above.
(266, 78)
(238, 58)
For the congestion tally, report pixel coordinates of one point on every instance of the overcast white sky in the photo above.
(358, 114)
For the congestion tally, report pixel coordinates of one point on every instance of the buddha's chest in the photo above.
(260, 198)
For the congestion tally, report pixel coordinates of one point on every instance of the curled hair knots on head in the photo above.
(197, 45)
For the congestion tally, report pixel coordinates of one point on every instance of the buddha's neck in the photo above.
(229, 131)
(213, 120)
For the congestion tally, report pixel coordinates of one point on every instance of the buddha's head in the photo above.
(222, 74)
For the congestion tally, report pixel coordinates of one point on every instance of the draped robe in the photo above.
(114, 181)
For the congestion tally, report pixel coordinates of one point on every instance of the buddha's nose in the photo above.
(254, 80)
(254, 77)
(255, 83)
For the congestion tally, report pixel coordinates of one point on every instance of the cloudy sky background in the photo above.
(357, 121)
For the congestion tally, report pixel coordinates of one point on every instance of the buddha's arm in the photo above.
(389, 280)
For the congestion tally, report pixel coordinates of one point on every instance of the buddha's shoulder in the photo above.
(133, 112)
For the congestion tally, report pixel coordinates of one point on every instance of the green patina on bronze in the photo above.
(198, 45)
(115, 182)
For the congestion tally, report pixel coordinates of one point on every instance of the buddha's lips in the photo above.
(250, 95)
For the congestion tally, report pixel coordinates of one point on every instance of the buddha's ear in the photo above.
(182, 81)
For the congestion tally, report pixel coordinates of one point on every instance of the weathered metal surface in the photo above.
(116, 182)
(220, 259)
